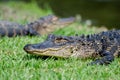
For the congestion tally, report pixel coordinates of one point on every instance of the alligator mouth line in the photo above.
(45, 50)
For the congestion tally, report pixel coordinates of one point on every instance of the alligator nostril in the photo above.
(27, 47)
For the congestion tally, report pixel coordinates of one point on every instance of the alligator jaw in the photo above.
(53, 52)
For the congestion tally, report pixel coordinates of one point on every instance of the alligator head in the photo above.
(48, 24)
(63, 46)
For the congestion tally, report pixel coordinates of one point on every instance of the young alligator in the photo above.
(44, 25)
(104, 46)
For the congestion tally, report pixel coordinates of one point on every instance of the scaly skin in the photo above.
(44, 25)
(104, 46)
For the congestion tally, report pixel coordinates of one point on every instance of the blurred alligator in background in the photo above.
(104, 46)
(44, 25)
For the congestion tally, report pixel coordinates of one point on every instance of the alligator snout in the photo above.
(28, 47)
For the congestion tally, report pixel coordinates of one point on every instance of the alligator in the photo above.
(43, 25)
(103, 47)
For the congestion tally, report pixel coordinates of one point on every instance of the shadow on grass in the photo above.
(29, 57)
(44, 58)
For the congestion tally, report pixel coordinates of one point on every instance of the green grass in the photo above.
(15, 64)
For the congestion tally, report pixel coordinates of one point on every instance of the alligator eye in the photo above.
(54, 18)
(83, 44)
(61, 41)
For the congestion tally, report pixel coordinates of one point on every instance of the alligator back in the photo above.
(43, 25)
(11, 29)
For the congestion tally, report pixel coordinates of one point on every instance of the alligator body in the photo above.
(102, 47)
(44, 25)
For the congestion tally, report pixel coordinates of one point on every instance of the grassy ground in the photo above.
(15, 64)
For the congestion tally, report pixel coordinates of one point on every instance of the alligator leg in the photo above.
(118, 54)
(105, 60)
(108, 56)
